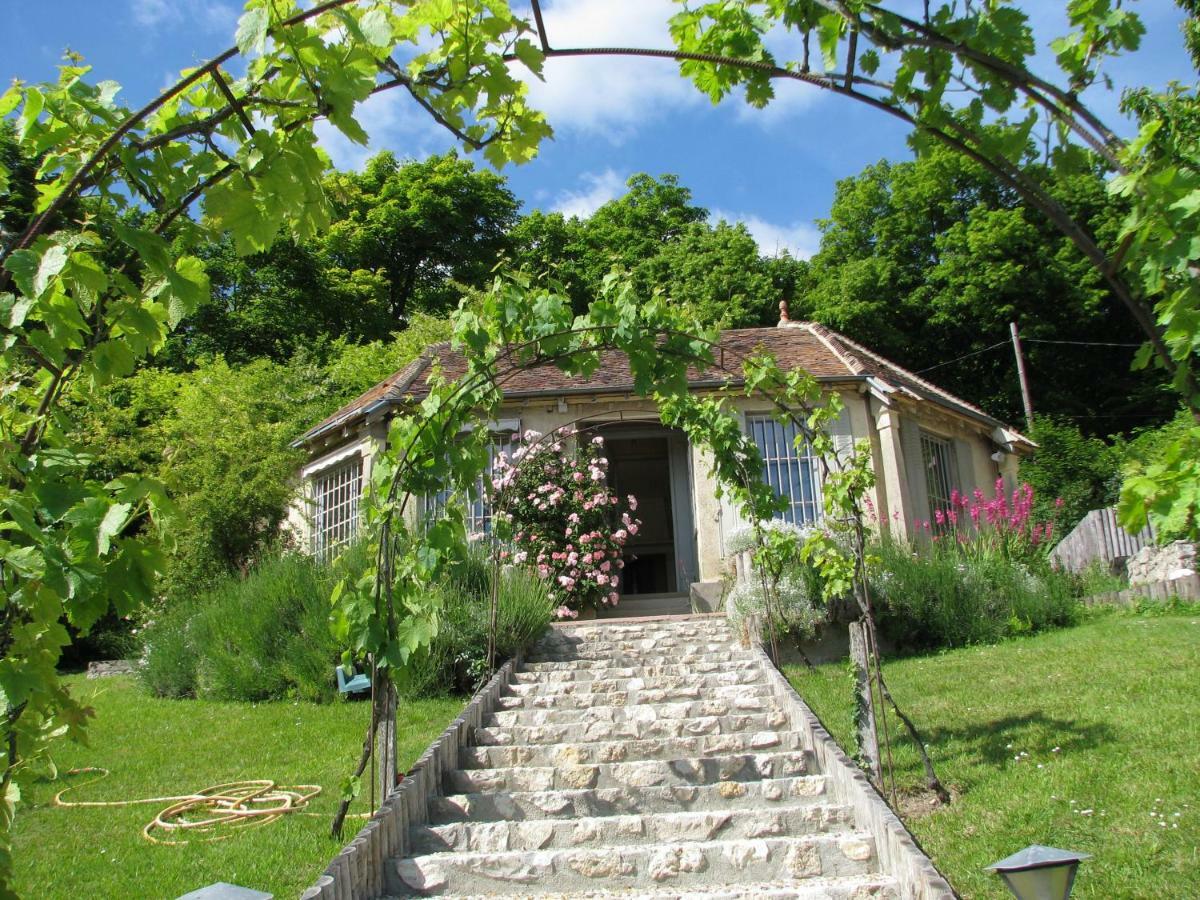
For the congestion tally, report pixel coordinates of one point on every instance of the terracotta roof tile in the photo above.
(821, 351)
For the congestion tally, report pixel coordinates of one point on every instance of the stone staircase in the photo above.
(639, 759)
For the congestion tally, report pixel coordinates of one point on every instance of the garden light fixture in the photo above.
(1039, 873)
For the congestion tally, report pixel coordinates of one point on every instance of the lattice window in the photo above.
(941, 470)
(336, 493)
(478, 512)
(792, 474)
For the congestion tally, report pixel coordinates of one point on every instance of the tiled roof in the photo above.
(824, 353)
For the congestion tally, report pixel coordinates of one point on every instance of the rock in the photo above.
(1150, 565)
(856, 848)
(803, 861)
(421, 876)
(106, 667)
(691, 826)
(743, 853)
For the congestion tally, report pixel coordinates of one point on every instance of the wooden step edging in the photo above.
(357, 873)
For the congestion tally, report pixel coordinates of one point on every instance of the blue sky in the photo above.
(774, 169)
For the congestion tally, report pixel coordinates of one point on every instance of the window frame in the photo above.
(478, 514)
(939, 449)
(344, 479)
(780, 459)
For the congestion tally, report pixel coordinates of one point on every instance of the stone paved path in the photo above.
(639, 759)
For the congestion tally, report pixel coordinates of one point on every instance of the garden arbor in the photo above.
(87, 291)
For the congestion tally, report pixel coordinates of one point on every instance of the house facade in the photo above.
(925, 443)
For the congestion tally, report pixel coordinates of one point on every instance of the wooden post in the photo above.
(1022, 376)
(385, 744)
(865, 719)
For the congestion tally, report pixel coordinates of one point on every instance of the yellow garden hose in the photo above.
(233, 805)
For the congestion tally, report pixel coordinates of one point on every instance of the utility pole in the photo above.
(1022, 376)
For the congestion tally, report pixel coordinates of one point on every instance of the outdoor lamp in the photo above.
(1040, 873)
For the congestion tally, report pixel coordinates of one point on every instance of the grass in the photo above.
(1082, 738)
(156, 747)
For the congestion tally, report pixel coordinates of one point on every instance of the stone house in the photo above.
(925, 443)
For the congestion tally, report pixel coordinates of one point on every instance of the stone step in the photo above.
(634, 697)
(648, 670)
(847, 887)
(604, 831)
(639, 712)
(527, 805)
(681, 628)
(585, 732)
(683, 865)
(639, 773)
(641, 645)
(620, 684)
(587, 658)
(561, 754)
(601, 660)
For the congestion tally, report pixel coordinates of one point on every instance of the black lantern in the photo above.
(1040, 873)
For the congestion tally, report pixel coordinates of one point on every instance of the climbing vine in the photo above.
(102, 272)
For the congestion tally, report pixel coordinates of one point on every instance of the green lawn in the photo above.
(1086, 738)
(166, 747)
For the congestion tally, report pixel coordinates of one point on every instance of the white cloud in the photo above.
(600, 188)
(800, 239)
(208, 17)
(609, 95)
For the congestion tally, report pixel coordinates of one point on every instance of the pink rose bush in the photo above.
(566, 524)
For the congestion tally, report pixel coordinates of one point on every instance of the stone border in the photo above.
(358, 872)
(899, 854)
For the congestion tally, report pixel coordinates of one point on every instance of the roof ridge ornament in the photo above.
(785, 320)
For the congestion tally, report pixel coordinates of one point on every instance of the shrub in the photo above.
(934, 595)
(562, 515)
(262, 637)
(456, 661)
(267, 636)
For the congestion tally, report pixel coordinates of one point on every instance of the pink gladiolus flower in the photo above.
(939, 517)
(632, 501)
(613, 598)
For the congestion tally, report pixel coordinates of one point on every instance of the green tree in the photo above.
(930, 260)
(425, 228)
(718, 272)
(1082, 472)
(656, 233)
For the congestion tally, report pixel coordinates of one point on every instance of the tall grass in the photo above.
(266, 636)
(456, 661)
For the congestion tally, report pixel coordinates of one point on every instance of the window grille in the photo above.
(478, 511)
(792, 474)
(941, 470)
(336, 491)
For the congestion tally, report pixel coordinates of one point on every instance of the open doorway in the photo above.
(650, 462)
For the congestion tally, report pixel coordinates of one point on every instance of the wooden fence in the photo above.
(1098, 538)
